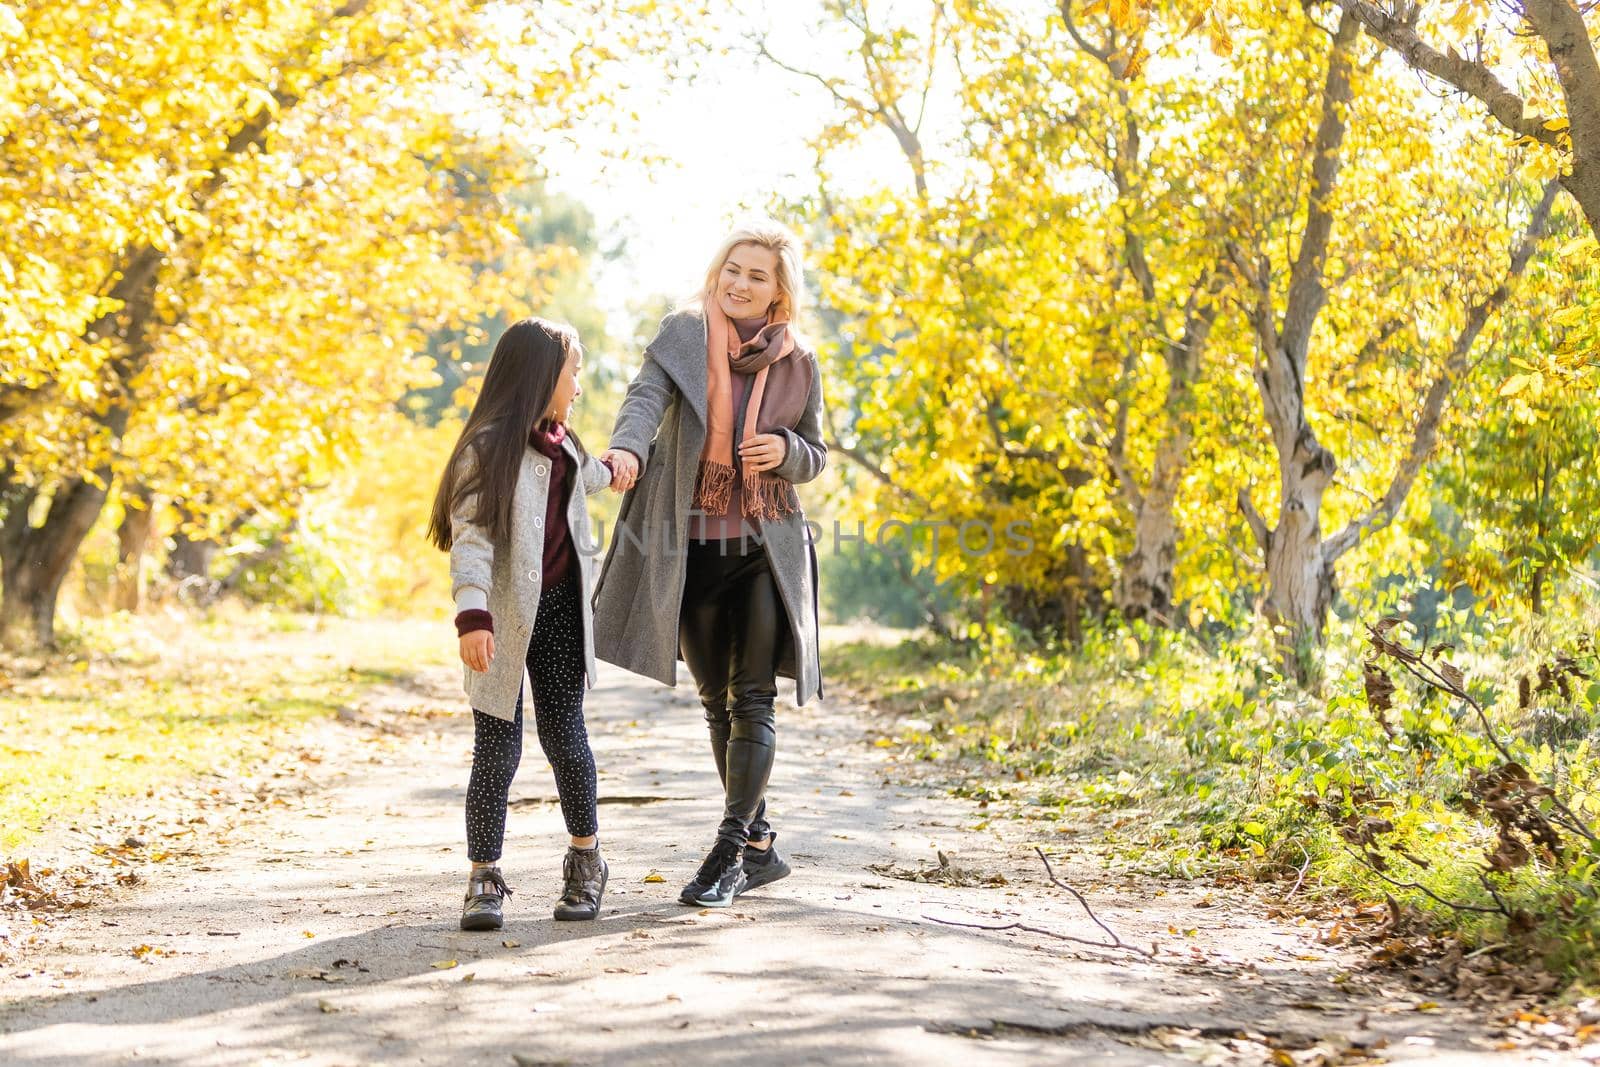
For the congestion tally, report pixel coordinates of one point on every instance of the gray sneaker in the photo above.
(584, 873)
(486, 889)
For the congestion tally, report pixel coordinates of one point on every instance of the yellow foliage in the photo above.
(1004, 338)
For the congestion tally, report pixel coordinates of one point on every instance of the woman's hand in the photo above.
(477, 649)
(764, 451)
(624, 467)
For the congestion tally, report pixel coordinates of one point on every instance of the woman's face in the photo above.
(748, 284)
(567, 387)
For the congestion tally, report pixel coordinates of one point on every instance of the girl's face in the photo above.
(567, 387)
(748, 284)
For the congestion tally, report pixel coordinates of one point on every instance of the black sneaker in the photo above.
(584, 873)
(763, 866)
(719, 880)
(486, 889)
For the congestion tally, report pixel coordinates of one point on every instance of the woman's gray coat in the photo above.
(508, 581)
(641, 584)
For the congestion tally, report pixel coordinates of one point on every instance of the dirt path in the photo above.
(321, 929)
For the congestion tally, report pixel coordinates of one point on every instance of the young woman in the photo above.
(712, 560)
(516, 531)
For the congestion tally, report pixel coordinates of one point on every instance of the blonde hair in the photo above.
(775, 238)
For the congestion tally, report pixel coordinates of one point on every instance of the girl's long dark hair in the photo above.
(517, 387)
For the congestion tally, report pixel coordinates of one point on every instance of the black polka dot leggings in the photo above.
(555, 672)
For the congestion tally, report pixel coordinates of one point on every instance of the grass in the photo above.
(1195, 761)
(131, 703)
(1056, 734)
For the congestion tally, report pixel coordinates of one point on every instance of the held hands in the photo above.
(764, 451)
(477, 649)
(625, 468)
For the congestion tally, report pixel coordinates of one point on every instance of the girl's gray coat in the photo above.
(641, 584)
(507, 579)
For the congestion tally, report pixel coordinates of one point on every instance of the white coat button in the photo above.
(538, 523)
(540, 469)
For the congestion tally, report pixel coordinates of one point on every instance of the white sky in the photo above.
(734, 141)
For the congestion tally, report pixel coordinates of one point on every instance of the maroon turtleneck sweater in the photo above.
(558, 554)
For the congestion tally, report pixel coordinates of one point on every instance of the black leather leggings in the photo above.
(729, 628)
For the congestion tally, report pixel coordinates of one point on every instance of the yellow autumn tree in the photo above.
(231, 231)
(1097, 313)
(1533, 67)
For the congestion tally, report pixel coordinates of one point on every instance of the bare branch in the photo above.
(932, 60)
(1424, 890)
(1259, 310)
(1100, 52)
(1115, 942)
(1429, 674)
(1306, 292)
(878, 106)
(1468, 75)
(830, 84)
(1253, 519)
(1058, 883)
(1427, 428)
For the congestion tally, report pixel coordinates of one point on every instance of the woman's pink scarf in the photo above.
(766, 496)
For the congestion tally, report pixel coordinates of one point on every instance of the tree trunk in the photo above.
(1144, 587)
(1074, 594)
(133, 538)
(41, 559)
(1300, 584)
(1299, 573)
(189, 558)
(44, 554)
(1572, 53)
(1299, 562)
(47, 551)
(17, 499)
(1541, 533)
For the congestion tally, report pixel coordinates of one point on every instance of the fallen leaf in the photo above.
(315, 973)
(443, 965)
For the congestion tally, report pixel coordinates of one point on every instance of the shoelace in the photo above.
(581, 885)
(482, 880)
(721, 858)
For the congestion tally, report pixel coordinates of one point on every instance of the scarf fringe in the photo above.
(713, 489)
(767, 497)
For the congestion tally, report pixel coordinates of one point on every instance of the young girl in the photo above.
(517, 534)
